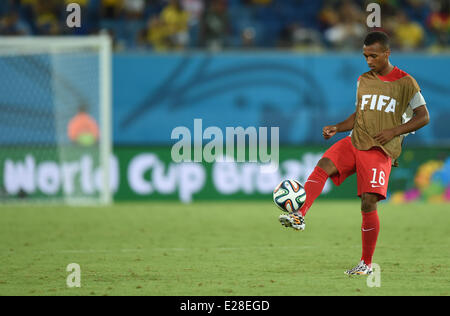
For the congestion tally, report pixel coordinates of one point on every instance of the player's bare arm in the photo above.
(345, 126)
(420, 119)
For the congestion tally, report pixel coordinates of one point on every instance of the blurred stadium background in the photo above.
(73, 105)
(291, 64)
(163, 25)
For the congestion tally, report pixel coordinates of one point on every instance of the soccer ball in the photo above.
(289, 195)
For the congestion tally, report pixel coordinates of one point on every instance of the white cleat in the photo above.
(293, 220)
(360, 269)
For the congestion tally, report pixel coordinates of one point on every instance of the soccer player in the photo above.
(389, 105)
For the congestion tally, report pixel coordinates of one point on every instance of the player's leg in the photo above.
(338, 162)
(370, 226)
(369, 233)
(327, 166)
(313, 188)
(324, 169)
(373, 170)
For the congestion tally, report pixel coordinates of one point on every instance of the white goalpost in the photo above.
(55, 119)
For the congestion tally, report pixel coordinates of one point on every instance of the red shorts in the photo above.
(372, 166)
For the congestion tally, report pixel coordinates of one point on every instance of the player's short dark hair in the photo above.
(377, 37)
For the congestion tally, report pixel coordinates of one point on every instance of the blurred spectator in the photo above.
(214, 26)
(248, 38)
(389, 7)
(418, 10)
(134, 9)
(169, 29)
(300, 38)
(195, 8)
(439, 24)
(175, 19)
(47, 18)
(408, 35)
(13, 25)
(348, 30)
(156, 34)
(328, 17)
(111, 8)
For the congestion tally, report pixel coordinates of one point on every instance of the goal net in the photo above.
(55, 117)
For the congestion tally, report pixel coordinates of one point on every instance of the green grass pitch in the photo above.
(220, 249)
